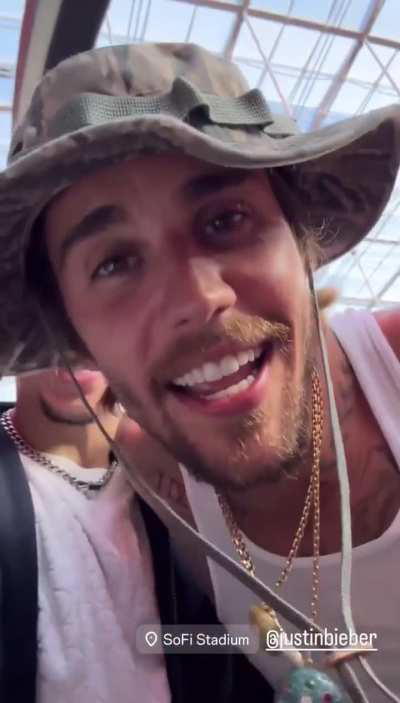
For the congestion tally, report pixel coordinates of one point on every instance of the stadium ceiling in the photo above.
(319, 62)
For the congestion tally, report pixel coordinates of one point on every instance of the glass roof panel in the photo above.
(6, 89)
(335, 272)
(366, 68)
(342, 14)
(286, 84)
(382, 97)
(387, 22)
(211, 30)
(338, 49)
(316, 11)
(251, 70)
(267, 33)
(389, 226)
(168, 21)
(5, 131)
(354, 13)
(353, 282)
(3, 154)
(393, 70)
(121, 18)
(392, 295)
(5, 122)
(311, 92)
(295, 46)
(12, 8)
(9, 33)
(388, 266)
(281, 7)
(350, 97)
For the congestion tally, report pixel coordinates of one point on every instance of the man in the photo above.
(90, 570)
(161, 231)
(51, 416)
(95, 582)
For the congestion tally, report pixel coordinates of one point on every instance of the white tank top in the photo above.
(375, 581)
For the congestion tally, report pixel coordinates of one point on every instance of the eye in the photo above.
(225, 222)
(227, 225)
(116, 265)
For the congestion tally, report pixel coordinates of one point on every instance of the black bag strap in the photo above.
(18, 579)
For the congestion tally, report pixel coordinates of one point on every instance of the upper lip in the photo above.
(215, 354)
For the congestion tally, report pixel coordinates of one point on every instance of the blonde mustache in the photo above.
(246, 332)
(254, 331)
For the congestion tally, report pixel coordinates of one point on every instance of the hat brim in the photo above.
(339, 181)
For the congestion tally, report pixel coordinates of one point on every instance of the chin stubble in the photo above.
(243, 437)
(290, 448)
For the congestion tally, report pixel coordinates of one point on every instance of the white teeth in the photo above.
(243, 357)
(232, 390)
(198, 376)
(213, 371)
(228, 365)
(189, 378)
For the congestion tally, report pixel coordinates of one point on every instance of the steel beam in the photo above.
(389, 284)
(286, 106)
(326, 103)
(364, 302)
(232, 39)
(383, 68)
(293, 21)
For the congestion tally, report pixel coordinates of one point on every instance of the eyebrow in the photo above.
(94, 223)
(103, 217)
(210, 183)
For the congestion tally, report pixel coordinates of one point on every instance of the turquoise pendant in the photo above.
(309, 685)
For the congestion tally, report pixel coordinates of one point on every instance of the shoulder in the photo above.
(389, 322)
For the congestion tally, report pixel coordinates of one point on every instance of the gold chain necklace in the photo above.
(88, 488)
(264, 616)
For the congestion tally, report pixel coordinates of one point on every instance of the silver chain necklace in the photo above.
(88, 488)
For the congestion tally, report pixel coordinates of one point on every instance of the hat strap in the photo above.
(247, 110)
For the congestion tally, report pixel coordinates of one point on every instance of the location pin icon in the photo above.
(151, 638)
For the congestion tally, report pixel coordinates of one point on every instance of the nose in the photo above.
(199, 294)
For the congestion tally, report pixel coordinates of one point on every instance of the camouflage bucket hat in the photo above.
(114, 103)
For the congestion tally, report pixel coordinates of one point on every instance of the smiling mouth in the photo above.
(226, 379)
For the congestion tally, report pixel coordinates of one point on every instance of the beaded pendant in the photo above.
(309, 685)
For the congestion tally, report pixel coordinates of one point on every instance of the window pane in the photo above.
(9, 38)
(387, 22)
(212, 28)
(6, 90)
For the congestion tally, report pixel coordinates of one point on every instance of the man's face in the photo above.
(186, 285)
(58, 397)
